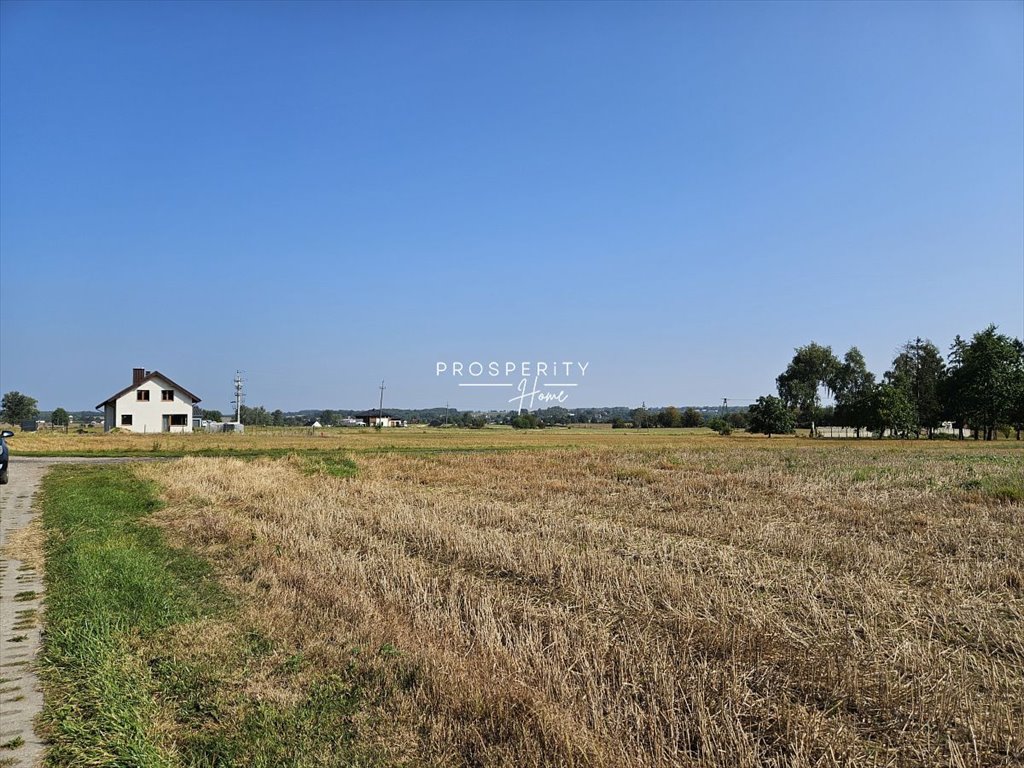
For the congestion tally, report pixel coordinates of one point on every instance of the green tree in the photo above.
(893, 410)
(692, 418)
(951, 389)
(1017, 400)
(641, 418)
(931, 370)
(328, 418)
(770, 416)
(277, 418)
(16, 408)
(720, 425)
(738, 419)
(988, 378)
(919, 371)
(554, 415)
(670, 417)
(812, 368)
(525, 420)
(60, 418)
(258, 416)
(216, 416)
(854, 391)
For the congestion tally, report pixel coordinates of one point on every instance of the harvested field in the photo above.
(700, 602)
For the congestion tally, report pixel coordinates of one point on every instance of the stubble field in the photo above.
(681, 601)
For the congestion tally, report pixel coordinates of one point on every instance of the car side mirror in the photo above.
(6, 433)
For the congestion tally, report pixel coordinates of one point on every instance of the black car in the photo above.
(4, 455)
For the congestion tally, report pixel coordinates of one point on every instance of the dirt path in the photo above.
(21, 608)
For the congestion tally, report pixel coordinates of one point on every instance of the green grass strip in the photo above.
(120, 692)
(111, 582)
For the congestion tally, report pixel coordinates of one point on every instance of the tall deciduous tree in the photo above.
(770, 416)
(738, 419)
(1017, 400)
(60, 418)
(670, 417)
(951, 390)
(918, 370)
(641, 418)
(893, 410)
(692, 418)
(855, 391)
(988, 378)
(16, 408)
(812, 368)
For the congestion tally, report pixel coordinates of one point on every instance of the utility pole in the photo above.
(725, 407)
(446, 414)
(380, 408)
(239, 396)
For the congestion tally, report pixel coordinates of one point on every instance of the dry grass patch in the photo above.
(26, 545)
(711, 603)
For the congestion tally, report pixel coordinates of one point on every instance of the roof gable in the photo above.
(152, 375)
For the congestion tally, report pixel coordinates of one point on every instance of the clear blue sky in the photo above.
(328, 194)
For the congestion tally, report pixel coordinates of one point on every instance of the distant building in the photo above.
(376, 418)
(226, 425)
(151, 403)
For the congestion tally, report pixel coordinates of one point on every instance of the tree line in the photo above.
(688, 418)
(978, 386)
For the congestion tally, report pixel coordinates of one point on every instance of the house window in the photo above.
(179, 420)
(126, 419)
(142, 395)
(166, 394)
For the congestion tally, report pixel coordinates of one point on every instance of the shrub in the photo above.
(721, 426)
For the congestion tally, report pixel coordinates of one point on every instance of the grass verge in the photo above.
(111, 582)
(148, 662)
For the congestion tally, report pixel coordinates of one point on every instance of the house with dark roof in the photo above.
(151, 403)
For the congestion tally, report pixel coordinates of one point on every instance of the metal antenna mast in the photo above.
(239, 396)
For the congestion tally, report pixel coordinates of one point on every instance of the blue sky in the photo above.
(325, 195)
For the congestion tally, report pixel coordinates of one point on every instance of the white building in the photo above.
(378, 419)
(152, 403)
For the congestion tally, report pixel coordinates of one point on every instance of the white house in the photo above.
(152, 403)
(378, 419)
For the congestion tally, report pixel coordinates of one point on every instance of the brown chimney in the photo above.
(138, 374)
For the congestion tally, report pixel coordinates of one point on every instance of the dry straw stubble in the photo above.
(708, 604)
